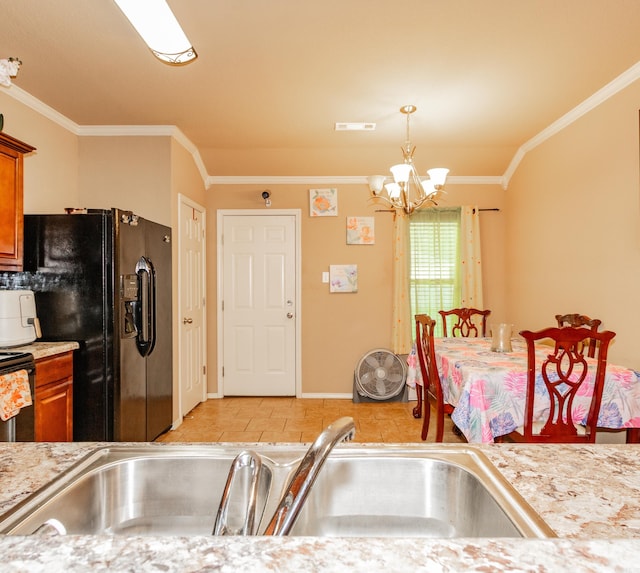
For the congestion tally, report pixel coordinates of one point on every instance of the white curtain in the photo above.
(401, 329)
(470, 259)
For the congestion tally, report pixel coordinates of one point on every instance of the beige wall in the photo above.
(132, 173)
(337, 329)
(50, 172)
(573, 238)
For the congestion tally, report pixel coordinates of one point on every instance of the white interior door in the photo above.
(259, 304)
(191, 288)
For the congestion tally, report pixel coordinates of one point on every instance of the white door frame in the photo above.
(183, 201)
(297, 214)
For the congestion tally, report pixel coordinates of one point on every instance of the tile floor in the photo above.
(260, 419)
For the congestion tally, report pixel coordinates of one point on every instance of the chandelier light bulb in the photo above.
(376, 183)
(438, 175)
(401, 172)
(393, 189)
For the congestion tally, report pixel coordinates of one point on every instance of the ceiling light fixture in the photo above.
(158, 27)
(408, 191)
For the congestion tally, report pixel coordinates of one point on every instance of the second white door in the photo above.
(192, 337)
(259, 305)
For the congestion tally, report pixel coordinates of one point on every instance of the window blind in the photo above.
(434, 276)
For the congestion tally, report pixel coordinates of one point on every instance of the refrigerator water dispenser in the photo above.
(129, 294)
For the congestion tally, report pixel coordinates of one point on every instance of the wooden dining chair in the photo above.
(561, 373)
(466, 324)
(581, 320)
(430, 377)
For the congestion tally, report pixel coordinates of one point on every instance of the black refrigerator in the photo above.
(103, 278)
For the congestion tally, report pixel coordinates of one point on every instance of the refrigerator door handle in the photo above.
(146, 338)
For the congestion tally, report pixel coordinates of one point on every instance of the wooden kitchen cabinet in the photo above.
(54, 398)
(11, 211)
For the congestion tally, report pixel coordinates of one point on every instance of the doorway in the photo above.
(259, 302)
(192, 331)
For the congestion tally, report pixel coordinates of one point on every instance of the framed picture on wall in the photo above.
(360, 231)
(343, 278)
(323, 202)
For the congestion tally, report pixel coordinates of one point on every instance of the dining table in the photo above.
(487, 389)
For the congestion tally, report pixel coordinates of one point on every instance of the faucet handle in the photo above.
(248, 461)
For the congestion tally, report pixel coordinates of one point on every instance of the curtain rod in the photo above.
(393, 210)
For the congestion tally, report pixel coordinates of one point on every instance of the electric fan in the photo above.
(380, 376)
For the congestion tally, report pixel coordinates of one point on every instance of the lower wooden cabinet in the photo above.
(54, 398)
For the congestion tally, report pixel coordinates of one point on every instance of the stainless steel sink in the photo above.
(430, 494)
(391, 490)
(134, 491)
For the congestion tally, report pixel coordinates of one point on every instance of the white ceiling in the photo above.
(486, 75)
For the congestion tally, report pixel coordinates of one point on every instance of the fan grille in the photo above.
(380, 374)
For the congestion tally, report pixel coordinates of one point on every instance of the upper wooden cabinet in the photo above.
(11, 216)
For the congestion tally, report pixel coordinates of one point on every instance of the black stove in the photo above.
(12, 360)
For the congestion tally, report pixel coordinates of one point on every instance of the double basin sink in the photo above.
(383, 491)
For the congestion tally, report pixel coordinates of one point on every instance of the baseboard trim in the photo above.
(345, 396)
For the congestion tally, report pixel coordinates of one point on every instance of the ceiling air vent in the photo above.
(354, 126)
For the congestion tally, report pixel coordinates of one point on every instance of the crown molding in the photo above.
(285, 180)
(110, 130)
(334, 180)
(42, 108)
(126, 130)
(622, 81)
(625, 79)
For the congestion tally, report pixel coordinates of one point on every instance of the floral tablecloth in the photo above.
(488, 388)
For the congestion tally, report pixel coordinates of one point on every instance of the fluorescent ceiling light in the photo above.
(158, 27)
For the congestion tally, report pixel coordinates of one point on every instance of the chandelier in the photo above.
(408, 191)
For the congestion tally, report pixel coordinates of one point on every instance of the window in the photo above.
(434, 262)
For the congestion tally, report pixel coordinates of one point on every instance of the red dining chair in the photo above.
(466, 324)
(562, 372)
(581, 320)
(430, 376)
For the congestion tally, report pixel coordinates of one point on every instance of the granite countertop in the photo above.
(589, 494)
(45, 349)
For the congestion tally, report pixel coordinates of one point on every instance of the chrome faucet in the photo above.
(300, 485)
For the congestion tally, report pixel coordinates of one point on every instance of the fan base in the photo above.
(402, 396)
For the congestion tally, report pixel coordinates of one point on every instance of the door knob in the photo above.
(187, 321)
(289, 315)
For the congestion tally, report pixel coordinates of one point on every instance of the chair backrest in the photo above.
(562, 372)
(581, 320)
(465, 325)
(425, 348)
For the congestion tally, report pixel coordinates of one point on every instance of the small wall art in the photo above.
(343, 278)
(323, 202)
(360, 231)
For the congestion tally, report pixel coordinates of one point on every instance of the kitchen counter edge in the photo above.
(41, 350)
